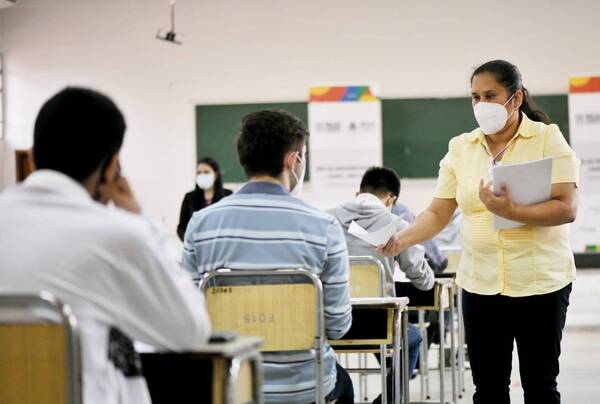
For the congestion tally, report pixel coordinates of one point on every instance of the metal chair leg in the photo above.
(383, 364)
(422, 353)
(442, 332)
(405, 359)
(365, 376)
(397, 358)
(426, 363)
(361, 377)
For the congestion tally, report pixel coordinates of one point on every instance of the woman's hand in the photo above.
(429, 223)
(394, 246)
(500, 205)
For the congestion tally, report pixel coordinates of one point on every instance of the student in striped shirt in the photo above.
(265, 226)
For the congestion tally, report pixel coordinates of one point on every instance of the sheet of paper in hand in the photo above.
(528, 183)
(378, 237)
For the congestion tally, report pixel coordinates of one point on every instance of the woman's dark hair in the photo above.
(509, 77)
(209, 161)
(76, 132)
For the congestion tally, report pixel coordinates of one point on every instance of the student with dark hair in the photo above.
(516, 282)
(107, 263)
(264, 226)
(209, 189)
(371, 209)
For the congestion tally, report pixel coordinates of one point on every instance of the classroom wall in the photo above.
(270, 50)
(7, 166)
(6, 159)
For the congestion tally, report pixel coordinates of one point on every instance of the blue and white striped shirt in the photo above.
(263, 227)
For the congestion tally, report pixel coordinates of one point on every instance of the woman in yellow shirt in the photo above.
(516, 282)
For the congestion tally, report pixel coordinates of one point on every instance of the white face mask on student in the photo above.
(299, 178)
(205, 181)
(491, 117)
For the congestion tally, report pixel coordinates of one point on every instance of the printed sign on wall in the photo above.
(584, 127)
(345, 136)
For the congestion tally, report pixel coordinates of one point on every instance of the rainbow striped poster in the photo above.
(584, 129)
(345, 138)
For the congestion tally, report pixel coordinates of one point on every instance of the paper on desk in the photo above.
(528, 183)
(376, 238)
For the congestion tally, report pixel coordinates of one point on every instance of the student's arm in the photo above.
(429, 223)
(336, 284)
(142, 291)
(412, 262)
(560, 209)
(148, 297)
(188, 261)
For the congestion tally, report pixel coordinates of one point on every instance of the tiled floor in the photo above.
(579, 380)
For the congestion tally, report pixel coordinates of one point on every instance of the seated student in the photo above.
(107, 263)
(265, 226)
(371, 209)
(437, 259)
(379, 190)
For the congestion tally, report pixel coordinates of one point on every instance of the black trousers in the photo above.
(493, 323)
(343, 391)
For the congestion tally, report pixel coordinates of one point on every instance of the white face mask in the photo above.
(490, 116)
(297, 189)
(205, 181)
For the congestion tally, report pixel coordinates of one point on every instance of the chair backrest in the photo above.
(367, 277)
(39, 351)
(283, 306)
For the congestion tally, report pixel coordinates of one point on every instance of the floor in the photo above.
(579, 380)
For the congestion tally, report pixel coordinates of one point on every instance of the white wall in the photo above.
(7, 170)
(7, 166)
(270, 50)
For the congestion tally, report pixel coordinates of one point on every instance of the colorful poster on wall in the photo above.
(345, 137)
(584, 128)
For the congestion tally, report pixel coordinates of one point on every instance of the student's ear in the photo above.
(290, 160)
(391, 202)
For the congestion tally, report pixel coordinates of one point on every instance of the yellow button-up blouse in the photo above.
(525, 261)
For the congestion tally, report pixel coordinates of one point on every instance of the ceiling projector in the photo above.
(171, 35)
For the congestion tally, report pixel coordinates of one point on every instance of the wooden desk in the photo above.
(377, 322)
(439, 299)
(219, 373)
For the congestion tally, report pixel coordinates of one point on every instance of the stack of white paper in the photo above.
(528, 183)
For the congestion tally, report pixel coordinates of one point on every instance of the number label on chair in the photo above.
(219, 290)
(259, 318)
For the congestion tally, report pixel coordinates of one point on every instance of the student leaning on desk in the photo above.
(516, 282)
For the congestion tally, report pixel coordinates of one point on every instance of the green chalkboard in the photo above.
(217, 127)
(415, 131)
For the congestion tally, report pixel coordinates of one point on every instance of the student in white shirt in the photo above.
(107, 263)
